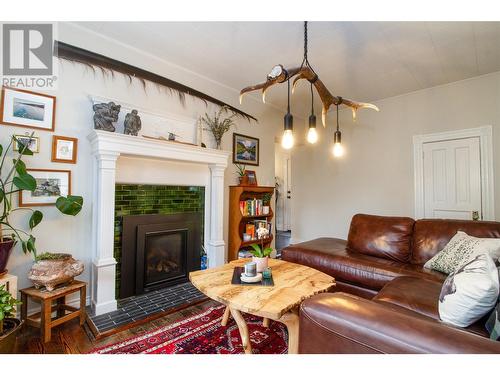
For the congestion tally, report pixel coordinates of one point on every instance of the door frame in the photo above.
(485, 135)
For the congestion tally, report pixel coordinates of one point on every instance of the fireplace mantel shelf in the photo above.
(106, 143)
(106, 148)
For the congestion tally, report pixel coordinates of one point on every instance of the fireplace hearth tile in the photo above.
(137, 308)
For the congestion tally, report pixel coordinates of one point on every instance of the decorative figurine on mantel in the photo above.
(132, 123)
(104, 116)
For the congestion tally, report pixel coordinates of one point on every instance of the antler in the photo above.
(279, 75)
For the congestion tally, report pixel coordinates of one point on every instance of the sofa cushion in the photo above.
(461, 249)
(431, 235)
(470, 292)
(330, 256)
(412, 293)
(381, 236)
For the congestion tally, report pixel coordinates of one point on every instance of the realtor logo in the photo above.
(28, 56)
(27, 49)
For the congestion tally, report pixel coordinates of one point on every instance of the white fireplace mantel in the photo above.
(107, 148)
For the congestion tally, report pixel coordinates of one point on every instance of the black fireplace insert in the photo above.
(158, 251)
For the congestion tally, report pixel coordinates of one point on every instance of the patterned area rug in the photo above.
(203, 334)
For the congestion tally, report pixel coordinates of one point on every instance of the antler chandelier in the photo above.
(279, 74)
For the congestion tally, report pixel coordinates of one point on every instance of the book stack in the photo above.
(251, 207)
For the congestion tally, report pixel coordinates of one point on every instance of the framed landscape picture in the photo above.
(50, 185)
(33, 143)
(245, 149)
(27, 109)
(64, 149)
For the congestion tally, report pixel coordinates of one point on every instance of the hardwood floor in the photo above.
(70, 338)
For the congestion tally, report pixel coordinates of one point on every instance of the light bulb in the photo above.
(312, 135)
(338, 150)
(287, 140)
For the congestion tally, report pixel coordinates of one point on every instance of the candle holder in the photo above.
(267, 273)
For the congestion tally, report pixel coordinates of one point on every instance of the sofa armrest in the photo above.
(343, 323)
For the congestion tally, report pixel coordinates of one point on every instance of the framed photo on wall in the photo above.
(64, 149)
(245, 149)
(33, 143)
(50, 185)
(28, 109)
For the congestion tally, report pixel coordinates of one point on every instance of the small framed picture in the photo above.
(252, 177)
(50, 185)
(245, 149)
(33, 143)
(64, 149)
(28, 109)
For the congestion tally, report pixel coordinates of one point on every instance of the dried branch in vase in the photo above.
(219, 126)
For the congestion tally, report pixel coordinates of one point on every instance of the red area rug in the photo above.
(203, 334)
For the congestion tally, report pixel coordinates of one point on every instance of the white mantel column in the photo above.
(216, 245)
(104, 263)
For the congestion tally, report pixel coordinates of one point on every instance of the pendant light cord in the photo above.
(288, 107)
(312, 100)
(337, 117)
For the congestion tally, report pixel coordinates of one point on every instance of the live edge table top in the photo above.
(293, 283)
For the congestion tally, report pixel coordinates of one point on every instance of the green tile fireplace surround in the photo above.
(152, 199)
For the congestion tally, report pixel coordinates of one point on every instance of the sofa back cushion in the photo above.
(381, 236)
(431, 235)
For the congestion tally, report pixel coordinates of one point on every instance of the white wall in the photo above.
(376, 174)
(59, 233)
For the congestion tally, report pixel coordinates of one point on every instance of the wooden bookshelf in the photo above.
(237, 221)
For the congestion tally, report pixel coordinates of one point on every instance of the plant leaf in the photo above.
(1, 150)
(2, 195)
(35, 219)
(30, 244)
(25, 182)
(20, 166)
(70, 205)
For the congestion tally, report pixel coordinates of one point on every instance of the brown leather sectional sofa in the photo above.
(385, 301)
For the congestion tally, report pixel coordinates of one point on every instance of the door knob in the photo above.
(475, 215)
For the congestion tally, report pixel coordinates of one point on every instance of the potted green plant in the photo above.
(261, 256)
(15, 179)
(219, 126)
(8, 326)
(242, 177)
(266, 203)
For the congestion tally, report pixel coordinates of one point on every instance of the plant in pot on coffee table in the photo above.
(261, 256)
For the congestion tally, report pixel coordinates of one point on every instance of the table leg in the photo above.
(60, 309)
(24, 308)
(291, 320)
(45, 320)
(83, 301)
(225, 317)
(242, 326)
(266, 322)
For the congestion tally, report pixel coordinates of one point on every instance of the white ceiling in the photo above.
(364, 61)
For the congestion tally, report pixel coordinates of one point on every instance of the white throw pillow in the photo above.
(461, 249)
(470, 292)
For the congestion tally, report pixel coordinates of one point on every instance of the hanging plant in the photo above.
(219, 126)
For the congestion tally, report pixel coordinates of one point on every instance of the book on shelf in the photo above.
(252, 207)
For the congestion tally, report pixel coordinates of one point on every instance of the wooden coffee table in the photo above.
(292, 284)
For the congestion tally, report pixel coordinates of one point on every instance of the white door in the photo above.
(452, 179)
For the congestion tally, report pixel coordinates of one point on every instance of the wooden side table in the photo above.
(43, 319)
